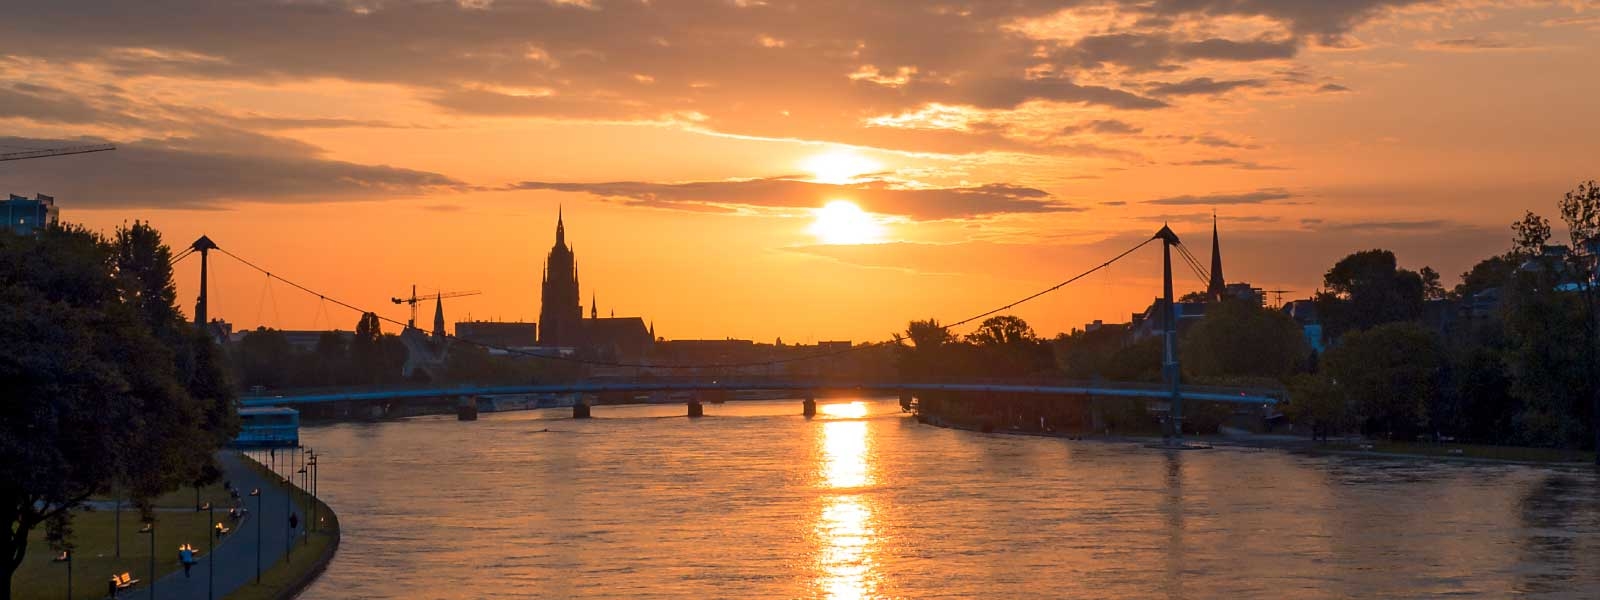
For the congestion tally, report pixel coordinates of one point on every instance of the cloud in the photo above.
(1332, 88)
(874, 196)
(1260, 196)
(1381, 226)
(1106, 126)
(749, 68)
(192, 173)
(1230, 162)
(1203, 86)
(1471, 44)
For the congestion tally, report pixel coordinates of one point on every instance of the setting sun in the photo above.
(840, 166)
(842, 222)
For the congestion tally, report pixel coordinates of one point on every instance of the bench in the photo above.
(124, 581)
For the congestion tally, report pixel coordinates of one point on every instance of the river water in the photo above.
(754, 501)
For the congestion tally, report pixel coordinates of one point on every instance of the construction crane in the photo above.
(56, 152)
(414, 299)
(1278, 294)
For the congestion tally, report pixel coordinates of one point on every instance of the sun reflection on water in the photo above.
(844, 528)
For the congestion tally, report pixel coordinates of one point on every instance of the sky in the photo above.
(798, 170)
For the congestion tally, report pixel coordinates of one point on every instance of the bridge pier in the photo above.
(809, 406)
(696, 409)
(467, 408)
(581, 408)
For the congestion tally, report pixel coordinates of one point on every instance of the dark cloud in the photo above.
(877, 197)
(1470, 44)
(1230, 162)
(193, 173)
(1106, 126)
(1327, 21)
(808, 71)
(1380, 226)
(1332, 87)
(1203, 86)
(1260, 196)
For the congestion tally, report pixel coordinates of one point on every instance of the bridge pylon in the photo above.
(1173, 429)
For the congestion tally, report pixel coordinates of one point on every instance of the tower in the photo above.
(438, 317)
(1218, 285)
(560, 315)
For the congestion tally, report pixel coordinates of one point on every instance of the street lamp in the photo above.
(302, 473)
(256, 493)
(150, 528)
(211, 546)
(315, 510)
(288, 540)
(66, 557)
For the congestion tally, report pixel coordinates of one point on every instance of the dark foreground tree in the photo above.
(1388, 375)
(90, 396)
(1241, 339)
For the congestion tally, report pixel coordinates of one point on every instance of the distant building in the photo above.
(25, 215)
(560, 315)
(1304, 312)
(514, 334)
(561, 322)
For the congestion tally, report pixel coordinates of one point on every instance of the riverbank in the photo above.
(1340, 447)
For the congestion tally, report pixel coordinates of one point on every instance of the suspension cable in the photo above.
(580, 360)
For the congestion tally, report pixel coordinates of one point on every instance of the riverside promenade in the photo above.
(235, 554)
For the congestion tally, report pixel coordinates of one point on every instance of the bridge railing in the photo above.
(761, 382)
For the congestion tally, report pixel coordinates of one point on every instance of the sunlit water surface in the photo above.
(754, 501)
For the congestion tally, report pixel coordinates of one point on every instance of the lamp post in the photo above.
(256, 493)
(150, 529)
(66, 556)
(315, 510)
(288, 540)
(302, 492)
(211, 547)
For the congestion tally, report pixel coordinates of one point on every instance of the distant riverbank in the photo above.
(1342, 447)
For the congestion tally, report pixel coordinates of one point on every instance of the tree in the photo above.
(1315, 401)
(1492, 272)
(1240, 339)
(1431, 288)
(90, 396)
(1529, 235)
(1004, 330)
(1086, 354)
(1388, 375)
(1366, 289)
(1580, 210)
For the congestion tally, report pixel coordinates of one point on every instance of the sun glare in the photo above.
(842, 222)
(839, 166)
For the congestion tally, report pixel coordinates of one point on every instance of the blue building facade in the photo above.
(25, 215)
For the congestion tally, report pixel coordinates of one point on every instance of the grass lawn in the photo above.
(1516, 453)
(94, 561)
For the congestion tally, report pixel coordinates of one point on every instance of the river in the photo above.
(755, 501)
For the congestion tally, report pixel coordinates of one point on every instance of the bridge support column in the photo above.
(809, 406)
(580, 408)
(696, 409)
(467, 408)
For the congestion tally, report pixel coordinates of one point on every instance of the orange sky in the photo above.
(362, 146)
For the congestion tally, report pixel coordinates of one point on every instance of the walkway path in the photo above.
(236, 552)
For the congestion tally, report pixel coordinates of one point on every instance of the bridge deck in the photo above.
(596, 387)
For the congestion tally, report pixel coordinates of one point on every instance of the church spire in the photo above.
(594, 306)
(561, 229)
(438, 317)
(1218, 285)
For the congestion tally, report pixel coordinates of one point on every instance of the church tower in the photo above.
(560, 315)
(1218, 285)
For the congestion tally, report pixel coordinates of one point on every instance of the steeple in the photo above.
(561, 229)
(438, 317)
(594, 307)
(1218, 284)
(652, 330)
